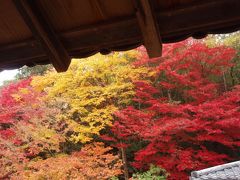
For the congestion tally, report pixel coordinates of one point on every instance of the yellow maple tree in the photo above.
(90, 91)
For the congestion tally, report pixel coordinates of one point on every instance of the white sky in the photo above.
(7, 75)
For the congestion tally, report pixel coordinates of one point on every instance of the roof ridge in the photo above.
(199, 173)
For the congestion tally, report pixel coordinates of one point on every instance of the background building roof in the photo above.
(230, 171)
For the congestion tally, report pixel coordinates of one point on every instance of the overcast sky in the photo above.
(7, 75)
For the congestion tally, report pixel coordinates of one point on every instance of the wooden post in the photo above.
(149, 28)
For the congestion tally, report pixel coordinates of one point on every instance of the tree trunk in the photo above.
(232, 77)
(169, 95)
(225, 82)
(125, 167)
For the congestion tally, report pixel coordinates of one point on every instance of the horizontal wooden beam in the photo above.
(149, 27)
(44, 33)
(123, 34)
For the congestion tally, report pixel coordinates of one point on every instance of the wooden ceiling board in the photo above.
(68, 14)
(118, 8)
(12, 27)
(171, 4)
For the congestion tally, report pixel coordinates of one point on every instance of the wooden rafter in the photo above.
(44, 33)
(149, 28)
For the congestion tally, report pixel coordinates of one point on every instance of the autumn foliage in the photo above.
(93, 162)
(90, 91)
(184, 114)
(108, 115)
(27, 127)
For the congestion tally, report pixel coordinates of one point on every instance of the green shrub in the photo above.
(154, 173)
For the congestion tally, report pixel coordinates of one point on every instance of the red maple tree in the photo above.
(184, 113)
(26, 127)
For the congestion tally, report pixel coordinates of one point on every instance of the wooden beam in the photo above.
(44, 33)
(149, 28)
